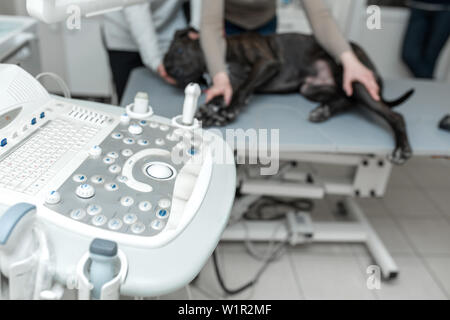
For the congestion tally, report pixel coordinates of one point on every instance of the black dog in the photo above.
(283, 63)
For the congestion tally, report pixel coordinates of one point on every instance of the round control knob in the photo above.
(95, 152)
(85, 191)
(124, 119)
(53, 197)
(159, 171)
(135, 129)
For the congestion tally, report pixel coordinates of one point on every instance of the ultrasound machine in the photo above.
(109, 203)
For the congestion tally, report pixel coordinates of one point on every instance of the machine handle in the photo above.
(11, 218)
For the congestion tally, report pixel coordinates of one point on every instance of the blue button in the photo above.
(42, 116)
(33, 121)
(192, 151)
(162, 213)
(4, 142)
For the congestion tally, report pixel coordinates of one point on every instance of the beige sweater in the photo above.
(251, 14)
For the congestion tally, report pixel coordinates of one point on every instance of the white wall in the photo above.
(383, 46)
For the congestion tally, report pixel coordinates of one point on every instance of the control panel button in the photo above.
(124, 119)
(138, 228)
(143, 123)
(178, 132)
(95, 151)
(113, 155)
(129, 141)
(159, 171)
(78, 214)
(157, 224)
(94, 209)
(127, 201)
(154, 125)
(97, 179)
(122, 179)
(145, 206)
(79, 178)
(143, 142)
(162, 214)
(164, 203)
(117, 135)
(135, 129)
(160, 142)
(53, 197)
(99, 220)
(172, 137)
(115, 169)
(127, 152)
(130, 218)
(111, 187)
(85, 191)
(115, 224)
(108, 160)
(164, 127)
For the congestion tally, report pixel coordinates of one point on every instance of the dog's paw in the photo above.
(400, 155)
(213, 115)
(320, 114)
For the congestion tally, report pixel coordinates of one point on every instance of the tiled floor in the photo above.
(413, 220)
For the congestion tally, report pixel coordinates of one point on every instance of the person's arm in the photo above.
(196, 14)
(211, 35)
(328, 35)
(139, 18)
(214, 48)
(325, 28)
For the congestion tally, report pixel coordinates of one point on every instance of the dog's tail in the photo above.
(400, 100)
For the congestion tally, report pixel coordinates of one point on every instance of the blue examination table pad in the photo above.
(356, 131)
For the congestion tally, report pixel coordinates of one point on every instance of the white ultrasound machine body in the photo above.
(108, 203)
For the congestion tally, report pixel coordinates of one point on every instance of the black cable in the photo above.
(250, 283)
(266, 208)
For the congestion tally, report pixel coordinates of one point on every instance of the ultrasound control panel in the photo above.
(127, 183)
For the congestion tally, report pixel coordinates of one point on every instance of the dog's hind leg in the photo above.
(329, 109)
(396, 121)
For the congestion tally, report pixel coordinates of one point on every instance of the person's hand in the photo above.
(163, 74)
(221, 87)
(354, 71)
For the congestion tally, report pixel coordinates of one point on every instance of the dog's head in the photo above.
(185, 61)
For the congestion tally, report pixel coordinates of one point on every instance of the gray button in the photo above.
(78, 214)
(127, 153)
(79, 178)
(94, 209)
(157, 225)
(127, 201)
(138, 228)
(99, 220)
(159, 171)
(97, 179)
(115, 224)
(113, 154)
(145, 206)
(164, 203)
(130, 218)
